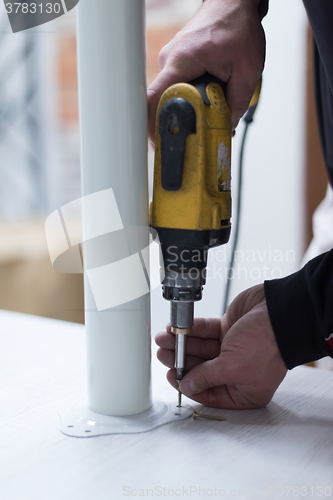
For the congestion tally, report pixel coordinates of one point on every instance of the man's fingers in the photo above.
(214, 383)
(238, 97)
(225, 326)
(215, 397)
(209, 374)
(207, 328)
(153, 98)
(202, 348)
(163, 81)
(167, 358)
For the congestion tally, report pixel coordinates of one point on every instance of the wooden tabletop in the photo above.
(282, 451)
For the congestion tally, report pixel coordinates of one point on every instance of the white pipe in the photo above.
(112, 94)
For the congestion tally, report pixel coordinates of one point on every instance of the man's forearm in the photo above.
(225, 38)
(261, 5)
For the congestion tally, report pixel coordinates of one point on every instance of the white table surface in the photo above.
(254, 454)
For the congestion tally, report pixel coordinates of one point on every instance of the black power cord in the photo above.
(248, 118)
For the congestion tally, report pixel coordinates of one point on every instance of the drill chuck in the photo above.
(182, 314)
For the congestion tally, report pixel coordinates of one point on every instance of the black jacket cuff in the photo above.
(300, 308)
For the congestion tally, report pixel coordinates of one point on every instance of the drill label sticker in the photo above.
(223, 167)
(116, 259)
(25, 15)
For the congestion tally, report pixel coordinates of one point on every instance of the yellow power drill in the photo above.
(191, 206)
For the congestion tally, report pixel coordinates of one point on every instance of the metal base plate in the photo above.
(82, 422)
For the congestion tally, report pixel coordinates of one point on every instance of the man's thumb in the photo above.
(204, 376)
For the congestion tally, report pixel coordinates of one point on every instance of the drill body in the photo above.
(191, 206)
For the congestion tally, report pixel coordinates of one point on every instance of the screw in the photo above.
(210, 417)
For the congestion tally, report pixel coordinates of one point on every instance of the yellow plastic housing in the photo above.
(204, 199)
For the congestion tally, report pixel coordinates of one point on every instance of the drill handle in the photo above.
(201, 83)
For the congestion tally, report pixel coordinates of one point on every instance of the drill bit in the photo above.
(179, 405)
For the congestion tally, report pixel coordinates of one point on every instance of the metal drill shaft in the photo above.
(180, 350)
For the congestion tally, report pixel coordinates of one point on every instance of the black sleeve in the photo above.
(320, 13)
(263, 8)
(300, 308)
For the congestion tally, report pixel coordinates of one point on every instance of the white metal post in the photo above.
(113, 118)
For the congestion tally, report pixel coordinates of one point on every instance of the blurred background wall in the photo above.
(39, 164)
(40, 160)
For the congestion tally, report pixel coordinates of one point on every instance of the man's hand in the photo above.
(225, 38)
(233, 362)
